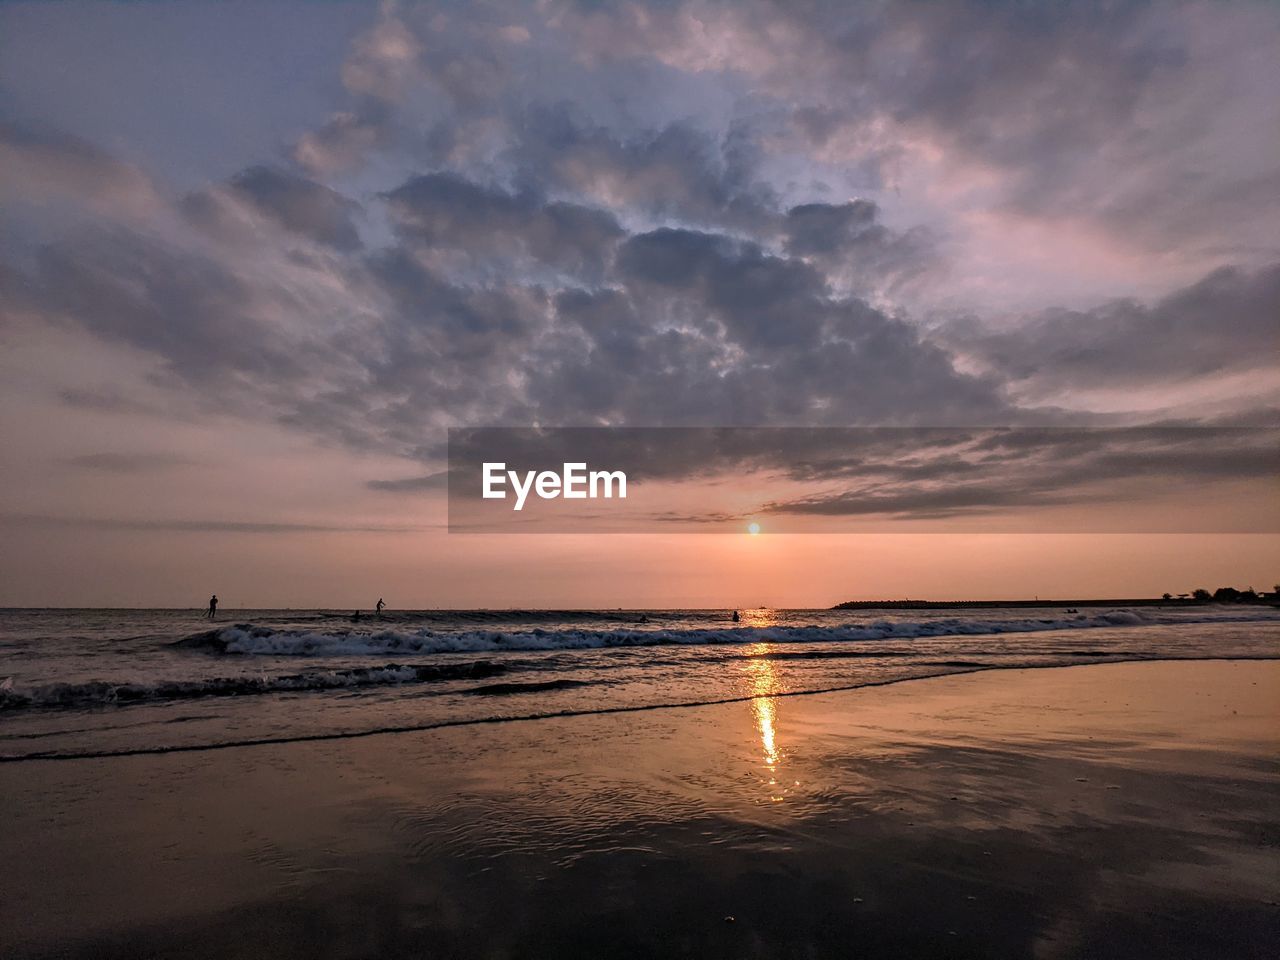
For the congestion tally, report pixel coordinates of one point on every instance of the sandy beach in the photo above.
(1118, 810)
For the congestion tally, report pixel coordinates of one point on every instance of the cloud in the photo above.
(383, 59)
(191, 308)
(1152, 122)
(579, 322)
(379, 70)
(491, 305)
(117, 462)
(303, 206)
(792, 343)
(935, 474)
(1225, 322)
(825, 229)
(673, 171)
(851, 243)
(41, 163)
(431, 481)
(342, 141)
(408, 58)
(259, 199)
(108, 401)
(631, 215)
(447, 211)
(1060, 478)
(198, 525)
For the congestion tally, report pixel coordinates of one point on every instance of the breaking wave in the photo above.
(259, 640)
(101, 693)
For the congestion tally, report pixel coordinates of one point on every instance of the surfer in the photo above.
(213, 607)
(355, 617)
(380, 606)
(737, 618)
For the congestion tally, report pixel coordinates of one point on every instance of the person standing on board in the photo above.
(380, 606)
(213, 607)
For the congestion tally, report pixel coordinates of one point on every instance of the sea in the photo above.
(93, 683)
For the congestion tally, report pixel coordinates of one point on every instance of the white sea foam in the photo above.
(246, 639)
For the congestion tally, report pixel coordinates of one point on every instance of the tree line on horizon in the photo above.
(1226, 595)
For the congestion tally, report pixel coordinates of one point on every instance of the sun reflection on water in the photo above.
(763, 683)
(765, 717)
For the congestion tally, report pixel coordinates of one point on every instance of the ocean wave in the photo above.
(267, 641)
(102, 693)
(599, 710)
(520, 616)
(534, 686)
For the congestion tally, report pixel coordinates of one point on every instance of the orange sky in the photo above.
(346, 570)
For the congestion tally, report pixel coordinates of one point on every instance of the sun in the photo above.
(753, 528)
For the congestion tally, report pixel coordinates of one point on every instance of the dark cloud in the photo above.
(303, 206)
(954, 474)
(1227, 322)
(196, 311)
(682, 327)
(889, 458)
(447, 211)
(793, 351)
(672, 172)
(849, 240)
(824, 229)
(763, 302)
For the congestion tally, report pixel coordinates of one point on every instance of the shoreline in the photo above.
(400, 730)
(1118, 809)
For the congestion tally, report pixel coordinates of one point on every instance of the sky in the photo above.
(256, 259)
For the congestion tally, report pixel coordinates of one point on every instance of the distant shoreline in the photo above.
(1267, 600)
(1019, 604)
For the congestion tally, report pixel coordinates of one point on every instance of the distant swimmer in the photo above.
(737, 618)
(213, 607)
(380, 606)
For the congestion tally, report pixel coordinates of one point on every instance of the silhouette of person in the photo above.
(380, 606)
(355, 617)
(213, 607)
(736, 617)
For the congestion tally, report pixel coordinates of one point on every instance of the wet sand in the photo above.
(1125, 810)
